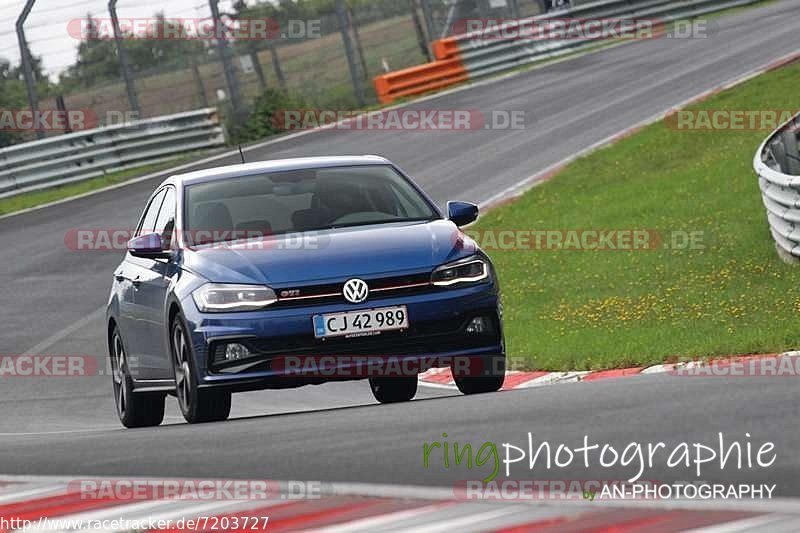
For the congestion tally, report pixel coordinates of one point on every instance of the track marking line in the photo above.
(65, 332)
(64, 432)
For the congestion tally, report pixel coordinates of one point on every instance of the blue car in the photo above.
(298, 272)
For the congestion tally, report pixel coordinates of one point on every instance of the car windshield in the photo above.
(300, 201)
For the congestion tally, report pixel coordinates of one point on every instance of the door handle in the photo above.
(119, 277)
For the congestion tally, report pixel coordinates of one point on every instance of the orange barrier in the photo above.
(418, 80)
(445, 48)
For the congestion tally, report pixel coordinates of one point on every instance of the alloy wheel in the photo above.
(183, 373)
(120, 374)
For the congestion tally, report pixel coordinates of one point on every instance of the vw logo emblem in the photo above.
(355, 291)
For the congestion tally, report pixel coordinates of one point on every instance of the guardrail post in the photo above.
(427, 13)
(421, 39)
(124, 65)
(27, 68)
(224, 55)
(276, 64)
(262, 80)
(351, 20)
(341, 13)
(198, 81)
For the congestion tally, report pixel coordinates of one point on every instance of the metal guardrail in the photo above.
(92, 153)
(487, 52)
(777, 164)
(482, 57)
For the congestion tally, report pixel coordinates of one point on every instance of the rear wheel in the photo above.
(135, 410)
(490, 378)
(197, 405)
(393, 390)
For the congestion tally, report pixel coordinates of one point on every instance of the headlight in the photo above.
(465, 271)
(216, 298)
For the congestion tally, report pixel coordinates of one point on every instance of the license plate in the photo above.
(361, 323)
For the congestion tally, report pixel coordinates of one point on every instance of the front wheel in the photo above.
(134, 409)
(393, 390)
(489, 378)
(197, 405)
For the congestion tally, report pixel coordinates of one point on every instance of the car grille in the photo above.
(332, 292)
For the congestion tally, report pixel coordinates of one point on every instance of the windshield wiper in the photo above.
(373, 223)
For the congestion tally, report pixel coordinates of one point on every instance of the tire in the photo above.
(491, 380)
(393, 390)
(197, 405)
(134, 409)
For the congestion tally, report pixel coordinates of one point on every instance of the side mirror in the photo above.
(462, 213)
(149, 246)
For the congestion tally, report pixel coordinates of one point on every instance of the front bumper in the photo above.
(277, 336)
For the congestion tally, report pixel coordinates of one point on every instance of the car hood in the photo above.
(332, 255)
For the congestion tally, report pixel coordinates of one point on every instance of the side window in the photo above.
(150, 215)
(165, 223)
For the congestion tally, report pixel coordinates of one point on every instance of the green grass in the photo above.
(52, 194)
(605, 309)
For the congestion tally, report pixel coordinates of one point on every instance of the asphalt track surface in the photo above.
(53, 300)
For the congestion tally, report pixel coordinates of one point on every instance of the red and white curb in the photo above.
(443, 378)
(354, 507)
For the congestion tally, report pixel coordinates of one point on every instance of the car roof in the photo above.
(277, 165)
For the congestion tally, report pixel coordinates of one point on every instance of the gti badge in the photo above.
(355, 291)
